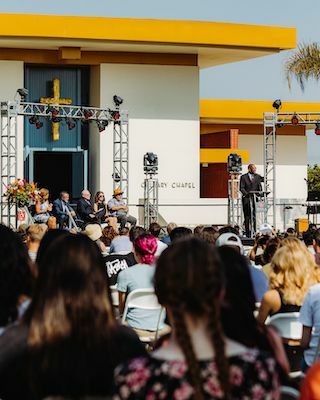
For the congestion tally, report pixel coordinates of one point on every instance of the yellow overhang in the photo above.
(211, 156)
(147, 30)
(247, 110)
(214, 42)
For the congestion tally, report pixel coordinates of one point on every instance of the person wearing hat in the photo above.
(119, 209)
(94, 232)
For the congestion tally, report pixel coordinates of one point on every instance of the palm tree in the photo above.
(304, 64)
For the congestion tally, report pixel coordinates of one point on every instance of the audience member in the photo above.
(237, 312)
(155, 230)
(197, 362)
(42, 206)
(258, 249)
(290, 232)
(272, 246)
(140, 276)
(229, 229)
(69, 342)
(52, 223)
(62, 210)
(22, 232)
(310, 319)
(108, 234)
(317, 247)
(180, 232)
(197, 230)
(259, 280)
(85, 209)
(308, 238)
(310, 388)
(49, 237)
(15, 277)
(94, 232)
(119, 209)
(35, 233)
(121, 244)
(166, 239)
(209, 234)
(293, 273)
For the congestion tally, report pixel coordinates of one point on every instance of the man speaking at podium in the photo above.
(250, 182)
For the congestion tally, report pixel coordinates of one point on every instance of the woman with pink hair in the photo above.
(140, 276)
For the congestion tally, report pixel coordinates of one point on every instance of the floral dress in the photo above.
(253, 375)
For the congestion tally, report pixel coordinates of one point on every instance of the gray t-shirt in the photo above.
(139, 276)
(121, 245)
(310, 317)
(116, 203)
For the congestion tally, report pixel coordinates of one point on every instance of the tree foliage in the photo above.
(313, 177)
(304, 64)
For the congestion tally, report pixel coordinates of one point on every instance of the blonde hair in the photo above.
(293, 271)
(35, 232)
(43, 194)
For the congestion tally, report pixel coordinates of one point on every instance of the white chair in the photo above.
(114, 295)
(144, 299)
(288, 393)
(287, 324)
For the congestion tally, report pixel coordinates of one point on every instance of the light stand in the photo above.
(151, 193)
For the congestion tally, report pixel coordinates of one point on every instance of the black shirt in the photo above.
(116, 263)
(75, 368)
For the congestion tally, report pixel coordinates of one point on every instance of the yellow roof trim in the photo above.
(147, 31)
(246, 110)
(212, 156)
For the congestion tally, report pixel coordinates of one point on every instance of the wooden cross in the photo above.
(55, 100)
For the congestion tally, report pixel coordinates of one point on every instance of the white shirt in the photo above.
(161, 246)
(310, 317)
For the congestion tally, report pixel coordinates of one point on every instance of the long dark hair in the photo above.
(15, 274)
(237, 311)
(188, 281)
(71, 296)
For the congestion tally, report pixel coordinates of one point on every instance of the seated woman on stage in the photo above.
(43, 207)
(100, 209)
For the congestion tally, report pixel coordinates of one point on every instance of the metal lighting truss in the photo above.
(234, 201)
(272, 122)
(9, 112)
(151, 200)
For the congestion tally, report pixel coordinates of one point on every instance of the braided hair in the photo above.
(188, 281)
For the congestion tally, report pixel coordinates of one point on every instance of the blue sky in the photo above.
(262, 78)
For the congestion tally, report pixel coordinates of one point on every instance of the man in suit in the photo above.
(250, 182)
(85, 209)
(62, 209)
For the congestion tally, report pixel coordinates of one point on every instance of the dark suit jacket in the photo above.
(246, 185)
(84, 208)
(58, 208)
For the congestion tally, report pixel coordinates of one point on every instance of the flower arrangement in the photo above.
(21, 192)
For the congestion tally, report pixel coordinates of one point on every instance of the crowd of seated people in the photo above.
(62, 331)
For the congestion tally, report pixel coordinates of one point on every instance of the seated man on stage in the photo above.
(250, 182)
(118, 208)
(62, 210)
(85, 209)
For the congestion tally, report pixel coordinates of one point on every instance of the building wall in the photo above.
(163, 104)
(11, 79)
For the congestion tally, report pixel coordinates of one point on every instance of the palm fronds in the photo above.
(304, 64)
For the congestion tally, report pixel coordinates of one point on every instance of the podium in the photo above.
(259, 210)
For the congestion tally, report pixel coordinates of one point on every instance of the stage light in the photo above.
(234, 164)
(55, 119)
(116, 177)
(279, 125)
(71, 124)
(150, 163)
(295, 120)
(117, 100)
(54, 112)
(102, 125)
(277, 104)
(317, 130)
(115, 115)
(39, 124)
(87, 114)
(23, 92)
(33, 120)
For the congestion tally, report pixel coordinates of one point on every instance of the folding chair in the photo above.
(290, 329)
(114, 295)
(144, 299)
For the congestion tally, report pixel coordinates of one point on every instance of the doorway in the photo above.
(60, 170)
